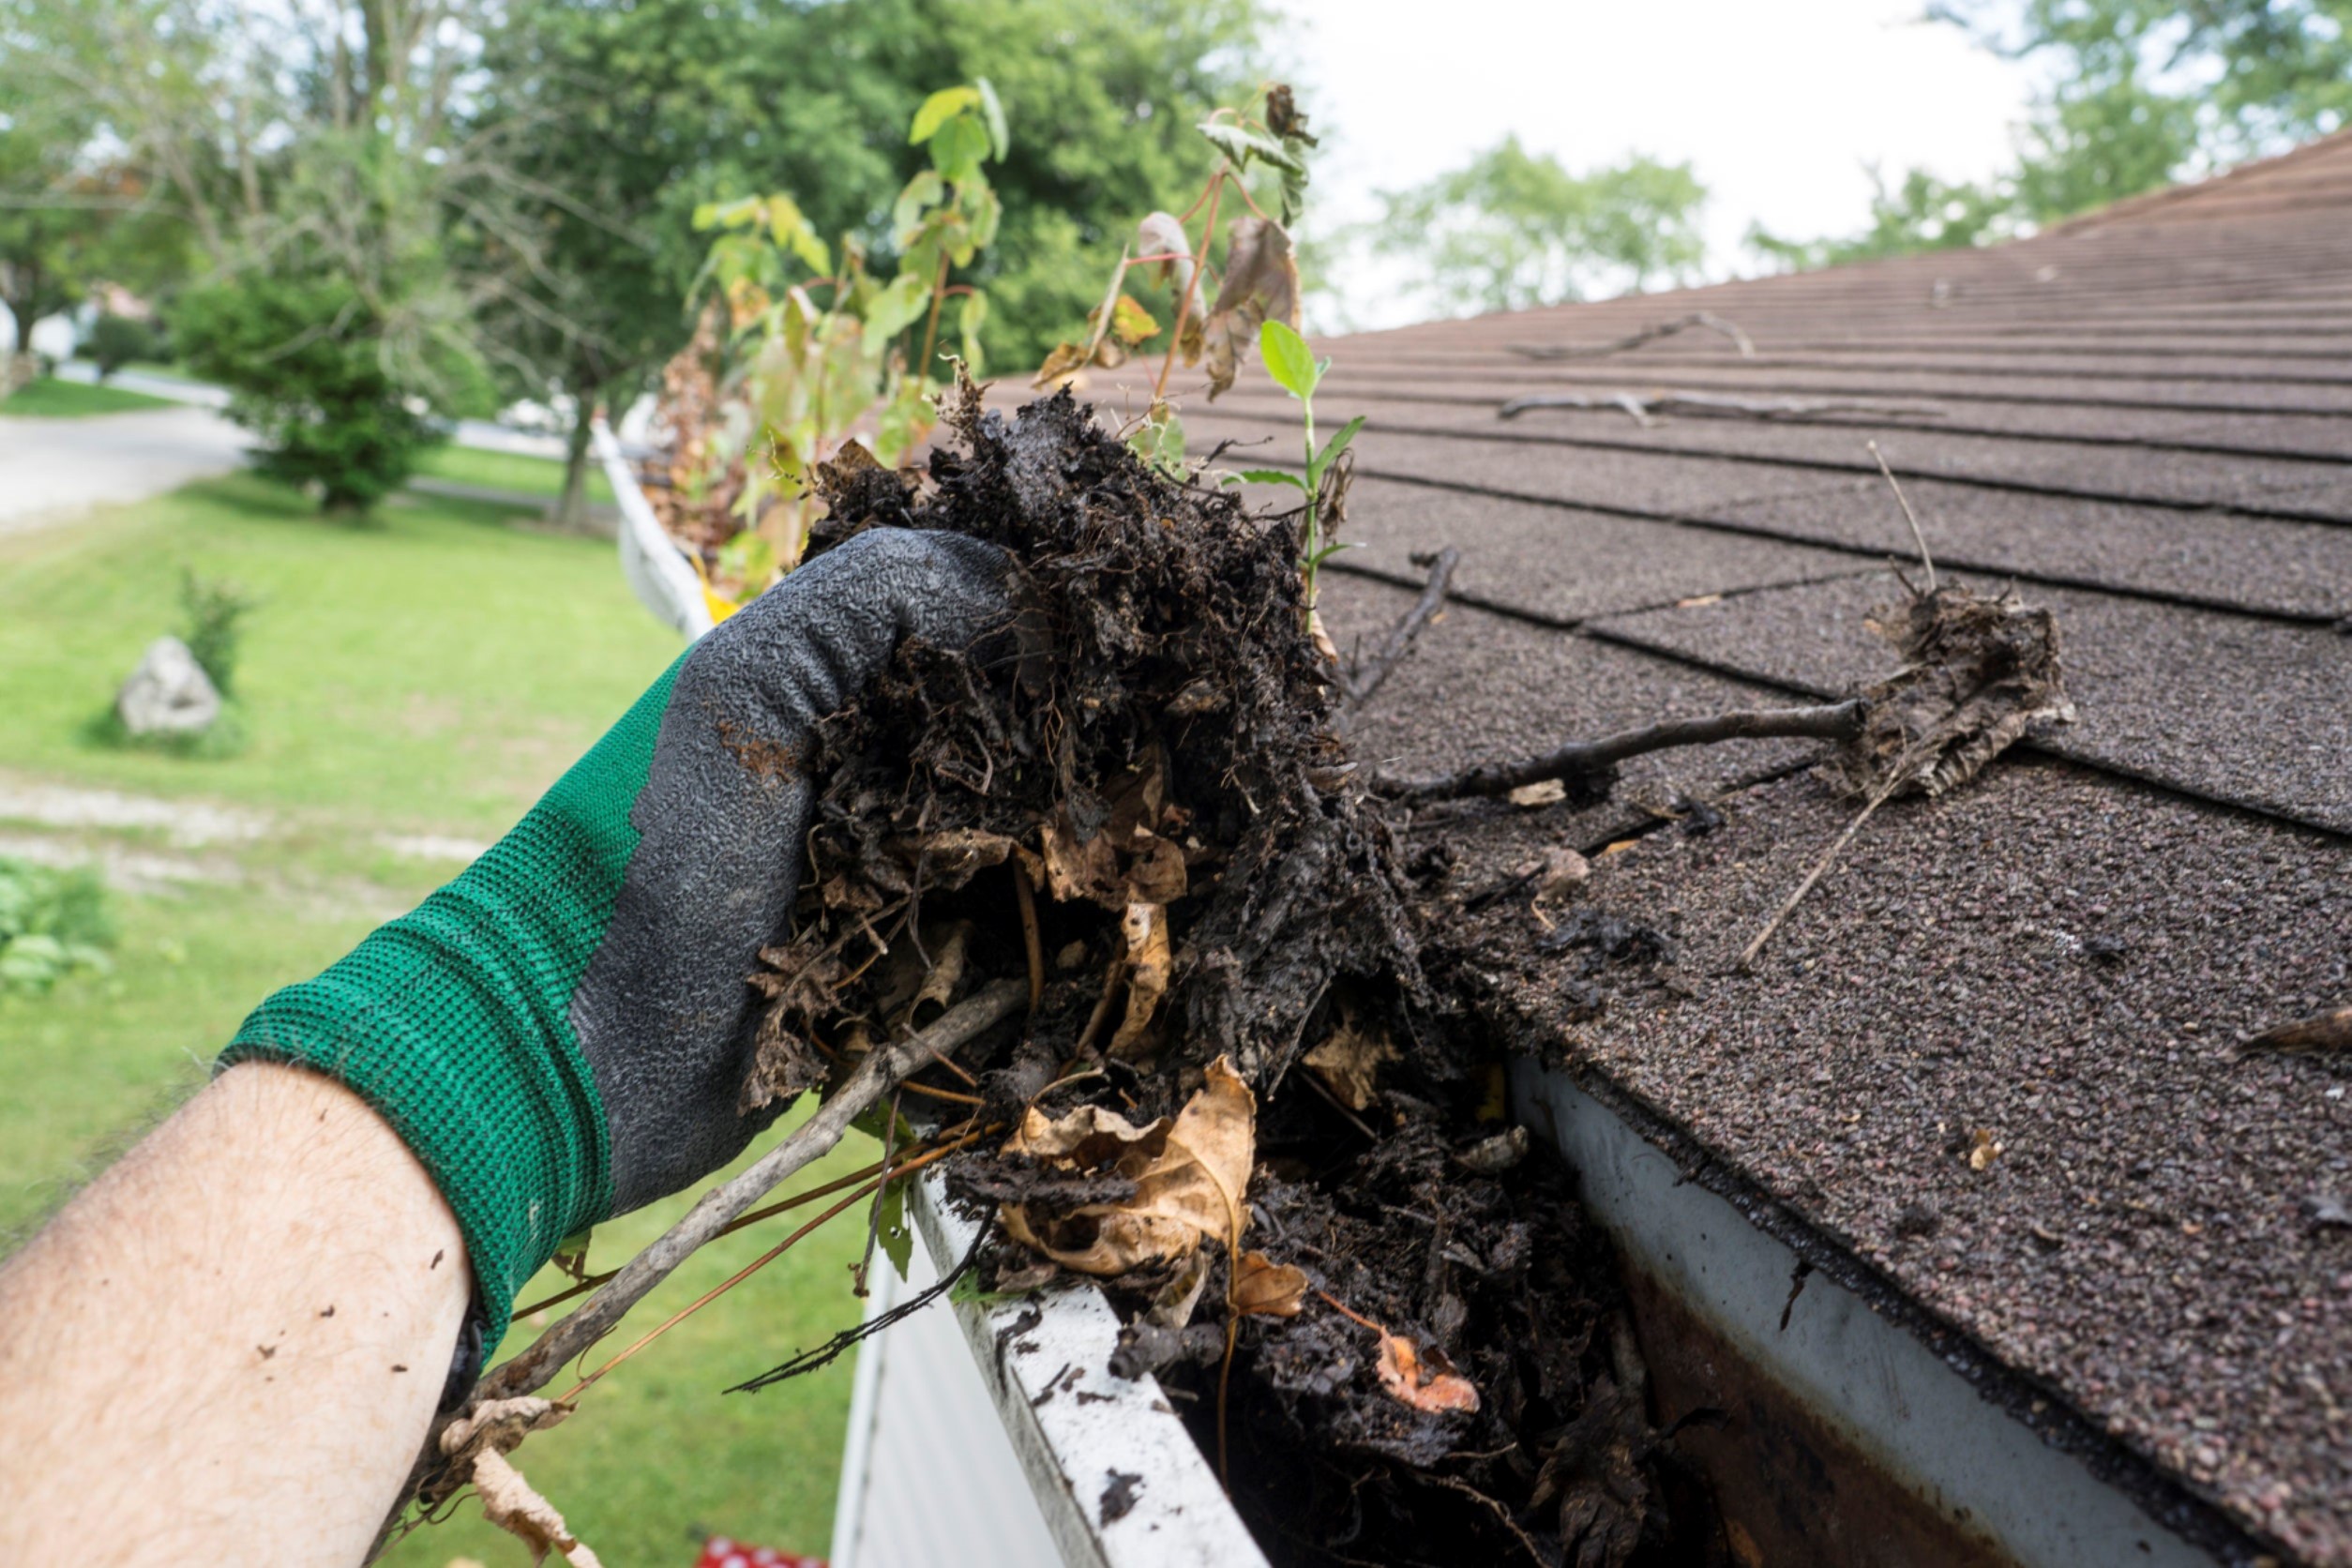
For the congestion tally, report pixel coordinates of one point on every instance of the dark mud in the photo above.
(1155, 733)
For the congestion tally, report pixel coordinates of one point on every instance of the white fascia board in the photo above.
(657, 572)
(1073, 1426)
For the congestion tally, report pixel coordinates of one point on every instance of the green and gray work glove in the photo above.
(560, 1033)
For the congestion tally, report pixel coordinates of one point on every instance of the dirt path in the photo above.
(55, 469)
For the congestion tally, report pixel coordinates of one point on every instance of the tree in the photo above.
(619, 120)
(2142, 94)
(1512, 228)
(1924, 213)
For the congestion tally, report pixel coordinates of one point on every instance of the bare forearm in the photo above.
(228, 1347)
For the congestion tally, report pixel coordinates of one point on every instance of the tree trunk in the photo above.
(571, 511)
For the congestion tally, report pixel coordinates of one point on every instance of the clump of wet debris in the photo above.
(1255, 1095)
(1237, 1101)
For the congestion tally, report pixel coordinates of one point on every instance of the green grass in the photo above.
(52, 399)
(430, 672)
(433, 670)
(507, 470)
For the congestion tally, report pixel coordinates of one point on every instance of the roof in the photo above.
(2143, 419)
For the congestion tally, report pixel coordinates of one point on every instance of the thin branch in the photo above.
(1591, 760)
(1643, 407)
(1707, 319)
(1747, 957)
(1370, 674)
(1908, 515)
(811, 1141)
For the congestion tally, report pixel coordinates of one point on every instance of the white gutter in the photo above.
(656, 569)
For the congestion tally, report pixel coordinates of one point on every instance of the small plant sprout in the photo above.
(777, 382)
(1216, 303)
(1297, 371)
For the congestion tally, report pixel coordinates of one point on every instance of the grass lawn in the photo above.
(52, 399)
(508, 471)
(426, 673)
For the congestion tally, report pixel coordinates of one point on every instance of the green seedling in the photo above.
(1297, 371)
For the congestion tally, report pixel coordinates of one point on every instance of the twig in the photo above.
(1707, 319)
(1641, 406)
(1369, 675)
(1748, 958)
(1908, 515)
(1590, 759)
(1026, 897)
(810, 1141)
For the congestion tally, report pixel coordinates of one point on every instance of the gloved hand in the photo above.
(561, 1033)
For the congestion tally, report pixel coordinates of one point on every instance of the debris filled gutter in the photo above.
(653, 566)
(966, 1404)
(1846, 1438)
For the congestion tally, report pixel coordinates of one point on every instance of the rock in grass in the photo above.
(168, 694)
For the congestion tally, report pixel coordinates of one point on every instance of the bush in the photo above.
(114, 342)
(53, 924)
(304, 361)
(214, 607)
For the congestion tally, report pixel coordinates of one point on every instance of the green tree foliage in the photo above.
(310, 374)
(1512, 228)
(1924, 213)
(621, 120)
(2140, 94)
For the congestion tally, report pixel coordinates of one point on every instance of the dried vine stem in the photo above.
(1370, 674)
(1707, 319)
(1643, 407)
(1590, 761)
(809, 1143)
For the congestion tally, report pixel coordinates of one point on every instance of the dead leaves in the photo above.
(1425, 1383)
(1349, 1064)
(1261, 283)
(1265, 1288)
(1977, 670)
(1148, 961)
(476, 1447)
(2323, 1031)
(1190, 1176)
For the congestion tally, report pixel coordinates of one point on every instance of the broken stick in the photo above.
(810, 1141)
(1642, 406)
(1370, 674)
(1707, 319)
(1590, 764)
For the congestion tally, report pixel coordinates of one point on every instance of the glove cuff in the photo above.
(452, 1021)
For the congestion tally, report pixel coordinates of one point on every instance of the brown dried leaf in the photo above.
(1082, 868)
(1977, 670)
(1189, 1177)
(1156, 870)
(1349, 1062)
(2330, 1031)
(1064, 362)
(1161, 234)
(1146, 930)
(946, 974)
(1425, 1386)
(1263, 1288)
(510, 1503)
(1261, 283)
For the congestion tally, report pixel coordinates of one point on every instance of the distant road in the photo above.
(52, 469)
(484, 434)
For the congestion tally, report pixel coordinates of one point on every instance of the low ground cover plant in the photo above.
(53, 926)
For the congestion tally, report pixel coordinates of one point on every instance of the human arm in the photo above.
(227, 1347)
(559, 1035)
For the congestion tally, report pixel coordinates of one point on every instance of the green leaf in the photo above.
(969, 320)
(1241, 145)
(1160, 440)
(891, 1230)
(993, 111)
(925, 190)
(1287, 360)
(727, 214)
(1338, 444)
(959, 147)
(940, 108)
(894, 310)
(1271, 476)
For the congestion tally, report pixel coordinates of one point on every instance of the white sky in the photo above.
(1777, 103)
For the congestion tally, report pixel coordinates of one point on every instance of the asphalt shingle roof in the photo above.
(2146, 419)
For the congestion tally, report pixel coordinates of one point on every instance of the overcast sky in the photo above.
(1778, 106)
